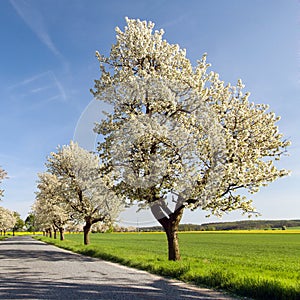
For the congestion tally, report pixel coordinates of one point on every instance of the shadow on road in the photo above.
(46, 255)
(27, 248)
(31, 269)
(21, 288)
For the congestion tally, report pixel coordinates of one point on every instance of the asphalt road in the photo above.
(30, 269)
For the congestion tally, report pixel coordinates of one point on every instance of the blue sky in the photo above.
(48, 64)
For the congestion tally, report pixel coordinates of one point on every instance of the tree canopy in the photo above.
(179, 130)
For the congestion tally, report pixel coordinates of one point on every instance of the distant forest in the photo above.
(238, 225)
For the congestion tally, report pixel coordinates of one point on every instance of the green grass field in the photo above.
(257, 265)
(293, 228)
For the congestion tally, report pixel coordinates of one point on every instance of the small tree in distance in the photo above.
(50, 208)
(19, 225)
(83, 189)
(7, 220)
(178, 132)
(30, 223)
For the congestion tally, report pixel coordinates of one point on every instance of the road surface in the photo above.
(31, 269)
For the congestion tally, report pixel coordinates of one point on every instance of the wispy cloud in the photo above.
(33, 18)
(38, 90)
(29, 80)
(59, 86)
(182, 18)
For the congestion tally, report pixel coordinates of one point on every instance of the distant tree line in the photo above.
(237, 225)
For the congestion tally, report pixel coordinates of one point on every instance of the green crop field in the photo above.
(258, 265)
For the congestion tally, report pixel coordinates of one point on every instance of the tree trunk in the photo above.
(173, 244)
(55, 233)
(170, 222)
(61, 232)
(89, 221)
(50, 233)
(86, 231)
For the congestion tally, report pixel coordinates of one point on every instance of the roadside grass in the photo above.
(256, 265)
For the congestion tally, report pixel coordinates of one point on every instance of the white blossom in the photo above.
(178, 129)
(82, 187)
(7, 219)
(50, 208)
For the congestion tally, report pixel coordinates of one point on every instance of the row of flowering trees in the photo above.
(9, 220)
(73, 190)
